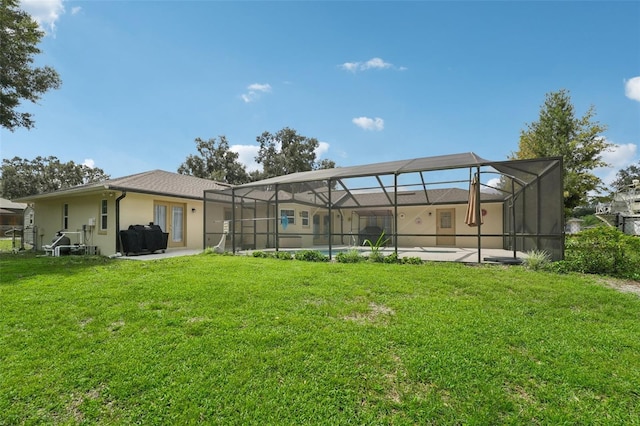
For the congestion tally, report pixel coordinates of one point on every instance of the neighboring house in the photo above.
(95, 213)
(623, 211)
(11, 215)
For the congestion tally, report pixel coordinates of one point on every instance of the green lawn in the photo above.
(6, 245)
(237, 340)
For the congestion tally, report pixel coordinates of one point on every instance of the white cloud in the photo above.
(75, 10)
(322, 148)
(89, 163)
(367, 123)
(376, 63)
(494, 183)
(254, 92)
(620, 157)
(350, 66)
(45, 12)
(373, 63)
(260, 87)
(247, 155)
(632, 88)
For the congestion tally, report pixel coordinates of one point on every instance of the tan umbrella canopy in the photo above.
(472, 205)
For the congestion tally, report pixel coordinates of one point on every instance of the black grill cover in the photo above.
(143, 239)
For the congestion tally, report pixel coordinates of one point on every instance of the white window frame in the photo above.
(65, 216)
(291, 215)
(304, 218)
(104, 215)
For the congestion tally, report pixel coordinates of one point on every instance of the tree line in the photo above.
(280, 153)
(22, 177)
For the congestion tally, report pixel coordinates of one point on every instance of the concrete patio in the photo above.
(437, 254)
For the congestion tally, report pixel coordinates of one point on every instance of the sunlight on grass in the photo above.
(222, 339)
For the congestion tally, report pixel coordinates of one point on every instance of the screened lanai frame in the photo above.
(325, 208)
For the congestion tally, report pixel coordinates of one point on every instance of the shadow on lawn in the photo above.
(17, 266)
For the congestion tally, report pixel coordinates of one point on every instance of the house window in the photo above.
(290, 215)
(445, 220)
(160, 216)
(103, 215)
(65, 216)
(304, 218)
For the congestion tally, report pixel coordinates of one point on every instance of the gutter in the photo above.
(124, 194)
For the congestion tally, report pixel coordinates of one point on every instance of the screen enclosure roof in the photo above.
(442, 162)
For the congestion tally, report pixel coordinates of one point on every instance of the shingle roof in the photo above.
(8, 204)
(431, 196)
(166, 183)
(158, 182)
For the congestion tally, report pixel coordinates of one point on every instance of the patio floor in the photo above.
(442, 254)
(168, 253)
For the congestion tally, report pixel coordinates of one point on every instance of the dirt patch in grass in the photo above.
(625, 286)
(376, 312)
(115, 326)
(75, 407)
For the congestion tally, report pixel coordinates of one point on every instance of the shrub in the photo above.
(412, 260)
(263, 254)
(376, 256)
(392, 258)
(311, 256)
(536, 260)
(284, 255)
(602, 250)
(351, 256)
(211, 251)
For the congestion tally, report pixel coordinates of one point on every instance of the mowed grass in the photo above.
(236, 340)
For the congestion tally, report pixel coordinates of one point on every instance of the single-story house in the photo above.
(458, 200)
(94, 213)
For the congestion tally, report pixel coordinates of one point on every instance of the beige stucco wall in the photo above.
(48, 218)
(422, 220)
(411, 220)
(138, 209)
(135, 209)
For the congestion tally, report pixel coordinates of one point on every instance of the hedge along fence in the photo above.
(602, 250)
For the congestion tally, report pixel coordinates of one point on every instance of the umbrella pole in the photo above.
(478, 217)
(513, 215)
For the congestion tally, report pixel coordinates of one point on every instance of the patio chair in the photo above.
(219, 248)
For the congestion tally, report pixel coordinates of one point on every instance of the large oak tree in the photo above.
(286, 152)
(625, 177)
(215, 161)
(281, 153)
(19, 78)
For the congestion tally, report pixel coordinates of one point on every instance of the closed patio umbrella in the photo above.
(472, 205)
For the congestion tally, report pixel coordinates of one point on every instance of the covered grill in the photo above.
(143, 239)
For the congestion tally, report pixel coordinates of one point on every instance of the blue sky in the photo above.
(372, 81)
